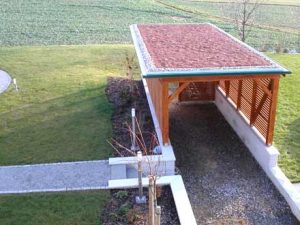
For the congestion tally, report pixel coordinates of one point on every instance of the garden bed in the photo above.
(125, 94)
(122, 209)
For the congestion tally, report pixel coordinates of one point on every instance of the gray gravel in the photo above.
(82, 175)
(224, 183)
(5, 81)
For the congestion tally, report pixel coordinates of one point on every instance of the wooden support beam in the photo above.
(181, 87)
(239, 97)
(253, 104)
(263, 87)
(165, 112)
(259, 107)
(272, 114)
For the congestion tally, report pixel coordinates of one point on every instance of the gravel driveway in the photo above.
(224, 182)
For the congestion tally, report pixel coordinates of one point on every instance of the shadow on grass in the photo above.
(69, 128)
(294, 138)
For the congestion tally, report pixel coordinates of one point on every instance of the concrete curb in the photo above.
(182, 202)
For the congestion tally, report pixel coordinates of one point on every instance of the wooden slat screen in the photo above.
(198, 91)
(253, 99)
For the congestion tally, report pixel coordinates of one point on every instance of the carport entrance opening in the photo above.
(191, 62)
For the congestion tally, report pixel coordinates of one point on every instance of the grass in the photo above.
(274, 24)
(287, 132)
(35, 22)
(61, 112)
(279, 2)
(72, 208)
(56, 22)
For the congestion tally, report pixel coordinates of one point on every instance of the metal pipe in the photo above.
(133, 144)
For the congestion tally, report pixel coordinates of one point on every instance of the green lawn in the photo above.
(41, 22)
(275, 25)
(72, 208)
(287, 133)
(56, 22)
(61, 112)
(280, 2)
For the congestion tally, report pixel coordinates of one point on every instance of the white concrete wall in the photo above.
(164, 164)
(266, 156)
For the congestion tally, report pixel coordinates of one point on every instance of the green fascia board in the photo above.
(237, 72)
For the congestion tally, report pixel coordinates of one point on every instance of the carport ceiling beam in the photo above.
(181, 87)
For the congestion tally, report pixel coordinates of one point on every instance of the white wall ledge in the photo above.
(183, 205)
(266, 156)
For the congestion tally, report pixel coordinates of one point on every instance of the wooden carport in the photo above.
(190, 62)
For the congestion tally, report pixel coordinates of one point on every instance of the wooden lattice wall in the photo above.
(256, 99)
(199, 91)
(253, 96)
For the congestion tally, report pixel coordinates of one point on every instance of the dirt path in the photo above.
(224, 183)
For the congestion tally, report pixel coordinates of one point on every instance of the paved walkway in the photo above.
(5, 80)
(82, 175)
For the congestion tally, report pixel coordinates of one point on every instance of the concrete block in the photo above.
(118, 171)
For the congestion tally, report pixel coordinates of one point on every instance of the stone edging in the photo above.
(183, 205)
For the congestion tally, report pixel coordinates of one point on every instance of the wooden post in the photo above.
(272, 114)
(239, 97)
(227, 87)
(158, 215)
(253, 105)
(151, 201)
(165, 112)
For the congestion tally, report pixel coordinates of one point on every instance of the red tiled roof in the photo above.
(196, 46)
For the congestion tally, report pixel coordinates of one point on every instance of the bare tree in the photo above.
(153, 167)
(244, 15)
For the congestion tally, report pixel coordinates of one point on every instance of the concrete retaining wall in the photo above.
(266, 156)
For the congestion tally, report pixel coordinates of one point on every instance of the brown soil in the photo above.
(124, 94)
(122, 209)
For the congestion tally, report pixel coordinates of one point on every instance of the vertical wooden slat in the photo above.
(253, 104)
(165, 112)
(239, 97)
(227, 87)
(272, 114)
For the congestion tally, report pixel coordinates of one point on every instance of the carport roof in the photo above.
(172, 50)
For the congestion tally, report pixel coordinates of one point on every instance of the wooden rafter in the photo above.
(181, 87)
